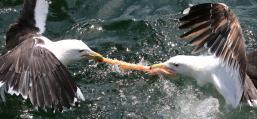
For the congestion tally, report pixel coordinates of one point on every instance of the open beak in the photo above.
(92, 55)
(161, 68)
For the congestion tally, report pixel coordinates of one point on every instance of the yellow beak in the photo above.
(92, 55)
(161, 68)
(154, 66)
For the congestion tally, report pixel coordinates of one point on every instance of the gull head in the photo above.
(68, 51)
(180, 64)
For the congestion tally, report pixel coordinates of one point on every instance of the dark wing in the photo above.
(216, 27)
(35, 73)
(30, 21)
(252, 66)
(250, 92)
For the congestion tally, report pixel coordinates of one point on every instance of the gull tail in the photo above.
(250, 92)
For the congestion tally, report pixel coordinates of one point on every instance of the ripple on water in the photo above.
(130, 30)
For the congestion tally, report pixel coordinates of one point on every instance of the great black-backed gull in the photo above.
(216, 28)
(34, 66)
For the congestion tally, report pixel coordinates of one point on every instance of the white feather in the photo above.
(2, 89)
(186, 11)
(226, 7)
(1, 83)
(80, 95)
(11, 91)
(40, 13)
(252, 103)
(24, 83)
(228, 83)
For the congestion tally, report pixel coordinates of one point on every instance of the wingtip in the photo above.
(225, 6)
(252, 103)
(76, 100)
(186, 11)
(80, 95)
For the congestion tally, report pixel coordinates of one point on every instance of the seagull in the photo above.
(216, 31)
(33, 66)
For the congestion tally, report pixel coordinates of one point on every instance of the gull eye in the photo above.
(81, 50)
(175, 64)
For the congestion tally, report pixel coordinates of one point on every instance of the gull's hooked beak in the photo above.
(161, 68)
(92, 55)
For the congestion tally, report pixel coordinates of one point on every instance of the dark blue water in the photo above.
(130, 30)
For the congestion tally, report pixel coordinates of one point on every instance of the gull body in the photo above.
(215, 29)
(33, 66)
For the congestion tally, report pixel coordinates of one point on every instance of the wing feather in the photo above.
(35, 73)
(216, 27)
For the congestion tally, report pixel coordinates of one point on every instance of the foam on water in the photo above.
(186, 103)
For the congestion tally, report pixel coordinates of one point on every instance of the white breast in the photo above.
(226, 80)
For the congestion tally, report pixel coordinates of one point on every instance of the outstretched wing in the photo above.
(35, 73)
(32, 20)
(216, 27)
